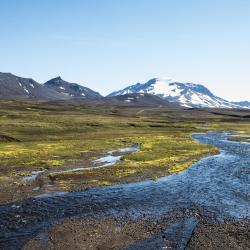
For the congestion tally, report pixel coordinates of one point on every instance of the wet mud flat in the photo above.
(211, 192)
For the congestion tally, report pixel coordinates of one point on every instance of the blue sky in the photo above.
(108, 44)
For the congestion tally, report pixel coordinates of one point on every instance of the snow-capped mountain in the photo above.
(72, 90)
(185, 94)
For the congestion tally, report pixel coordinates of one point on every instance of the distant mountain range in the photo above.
(155, 92)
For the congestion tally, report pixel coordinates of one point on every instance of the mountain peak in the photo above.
(72, 90)
(55, 79)
(164, 79)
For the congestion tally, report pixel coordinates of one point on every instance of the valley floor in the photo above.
(47, 141)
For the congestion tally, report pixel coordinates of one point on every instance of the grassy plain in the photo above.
(55, 136)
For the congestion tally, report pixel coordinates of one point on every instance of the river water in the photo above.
(217, 185)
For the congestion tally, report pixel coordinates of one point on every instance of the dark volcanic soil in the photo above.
(230, 235)
(117, 233)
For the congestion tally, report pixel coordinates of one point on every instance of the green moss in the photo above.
(19, 184)
(3, 178)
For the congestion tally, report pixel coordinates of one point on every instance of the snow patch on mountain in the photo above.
(27, 91)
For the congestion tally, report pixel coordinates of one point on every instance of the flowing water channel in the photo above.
(218, 185)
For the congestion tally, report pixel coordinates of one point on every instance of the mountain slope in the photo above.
(72, 90)
(139, 99)
(15, 87)
(185, 94)
(244, 104)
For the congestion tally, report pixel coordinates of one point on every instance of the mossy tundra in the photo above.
(63, 135)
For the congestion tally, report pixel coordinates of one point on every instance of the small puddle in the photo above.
(131, 149)
(33, 176)
(111, 159)
(108, 160)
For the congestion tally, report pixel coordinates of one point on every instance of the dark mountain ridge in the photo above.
(15, 87)
(72, 90)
